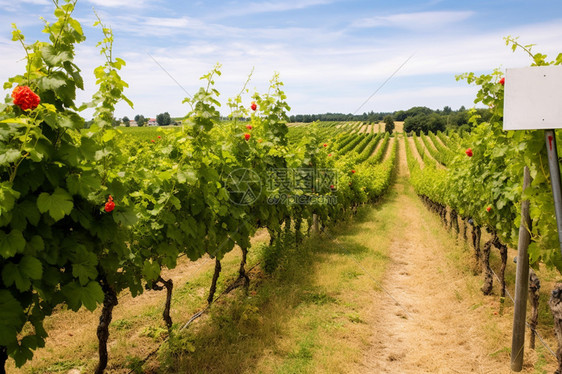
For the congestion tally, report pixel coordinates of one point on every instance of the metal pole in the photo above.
(521, 282)
(555, 179)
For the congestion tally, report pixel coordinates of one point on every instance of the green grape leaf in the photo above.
(58, 204)
(83, 184)
(11, 243)
(187, 176)
(126, 217)
(150, 271)
(12, 318)
(54, 58)
(21, 274)
(9, 156)
(22, 354)
(90, 296)
(84, 265)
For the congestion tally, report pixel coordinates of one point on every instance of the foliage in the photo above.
(140, 120)
(423, 123)
(57, 243)
(492, 177)
(388, 124)
(163, 119)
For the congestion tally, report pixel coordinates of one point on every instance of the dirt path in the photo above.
(414, 150)
(424, 326)
(389, 149)
(428, 154)
(379, 144)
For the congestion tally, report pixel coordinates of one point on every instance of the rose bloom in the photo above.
(25, 98)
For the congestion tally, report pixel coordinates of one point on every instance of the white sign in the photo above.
(533, 98)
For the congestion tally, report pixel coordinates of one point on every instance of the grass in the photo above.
(303, 317)
(497, 314)
(307, 314)
(147, 133)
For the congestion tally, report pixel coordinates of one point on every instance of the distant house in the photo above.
(152, 122)
(133, 123)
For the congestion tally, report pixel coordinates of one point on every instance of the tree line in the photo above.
(417, 119)
(334, 117)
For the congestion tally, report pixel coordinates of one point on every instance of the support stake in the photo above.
(521, 282)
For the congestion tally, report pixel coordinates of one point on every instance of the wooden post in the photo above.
(555, 304)
(521, 282)
(534, 287)
(315, 223)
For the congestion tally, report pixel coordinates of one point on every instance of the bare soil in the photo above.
(414, 150)
(429, 317)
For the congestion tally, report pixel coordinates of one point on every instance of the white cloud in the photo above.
(120, 3)
(419, 20)
(36, 2)
(269, 7)
(324, 79)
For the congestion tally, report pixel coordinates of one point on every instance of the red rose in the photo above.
(488, 209)
(247, 136)
(468, 152)
(159, 137)
(109, 205)
(325, 145)
(249, 127)
(329, 155)
(353, 172)
(502, 81)
(152, 140)
(25, 98)
(254, 106)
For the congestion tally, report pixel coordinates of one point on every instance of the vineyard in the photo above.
(257, 241)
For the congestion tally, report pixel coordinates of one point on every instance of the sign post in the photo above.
(554, 179)
(533, 101)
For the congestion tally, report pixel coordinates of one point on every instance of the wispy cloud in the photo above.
(269, 7)
(36, 2)
(119, 3)
(419, 20)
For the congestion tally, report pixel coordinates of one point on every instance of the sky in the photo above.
(331, 55)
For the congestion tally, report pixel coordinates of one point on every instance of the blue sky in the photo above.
(331, 55)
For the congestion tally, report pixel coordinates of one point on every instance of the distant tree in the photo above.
(447, 110)
(115, 122)
(167, 119)
(416, 110)
(425, 122)
(388, 124)
(163, 119)
(400, 115)
(126, 121)
(139, 118)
